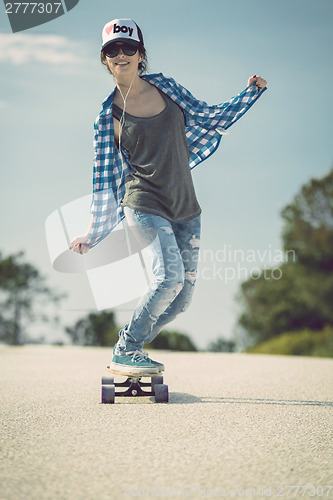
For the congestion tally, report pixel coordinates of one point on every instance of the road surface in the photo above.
(236, 425)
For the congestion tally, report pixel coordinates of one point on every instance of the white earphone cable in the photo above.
(121, 124)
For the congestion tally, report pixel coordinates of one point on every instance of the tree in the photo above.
(96, 329)
(20, 286)
(302, 297)
(309, 224)
(172, 340)
(222, 345)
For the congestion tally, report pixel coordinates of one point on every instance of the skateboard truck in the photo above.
(133, 387)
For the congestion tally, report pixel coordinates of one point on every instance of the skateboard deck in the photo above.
(134, 386)
(131, 374)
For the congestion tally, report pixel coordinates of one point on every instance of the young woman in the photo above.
(150, 133)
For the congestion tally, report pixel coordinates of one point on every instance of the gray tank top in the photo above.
(160, 181)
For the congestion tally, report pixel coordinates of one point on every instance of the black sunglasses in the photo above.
(113, 49)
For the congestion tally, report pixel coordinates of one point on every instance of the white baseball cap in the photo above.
(121, 30)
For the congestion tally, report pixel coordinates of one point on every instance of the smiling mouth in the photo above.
(122, 63)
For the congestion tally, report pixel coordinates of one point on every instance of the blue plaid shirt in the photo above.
(204, 126)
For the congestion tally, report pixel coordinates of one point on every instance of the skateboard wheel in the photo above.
(161, 393)
(156, 380)
(107, 380)
(108, 394)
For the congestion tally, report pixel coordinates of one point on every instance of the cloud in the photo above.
(21, 48)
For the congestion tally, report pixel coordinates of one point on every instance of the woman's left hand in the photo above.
(78, 244)
(260, 82)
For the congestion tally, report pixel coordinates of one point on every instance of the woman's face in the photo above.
(122, 64)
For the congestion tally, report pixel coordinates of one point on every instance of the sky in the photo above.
(52, 84)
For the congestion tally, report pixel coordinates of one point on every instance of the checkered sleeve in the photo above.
(205, 124)
(95, 167)
(109, 172)
(220, 116)
(231, 111)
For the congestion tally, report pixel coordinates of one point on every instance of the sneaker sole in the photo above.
(160, 368)
(132, 370)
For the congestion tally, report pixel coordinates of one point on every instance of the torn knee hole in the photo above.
(195, 242)
(191, 276)
(167, 229)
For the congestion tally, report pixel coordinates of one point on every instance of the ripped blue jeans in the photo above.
(175, 252)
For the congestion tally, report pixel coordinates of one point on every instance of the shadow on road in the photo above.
(184, 398)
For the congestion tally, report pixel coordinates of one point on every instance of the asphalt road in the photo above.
(236, 425)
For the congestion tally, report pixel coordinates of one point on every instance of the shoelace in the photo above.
(146, 356)
(138, 355)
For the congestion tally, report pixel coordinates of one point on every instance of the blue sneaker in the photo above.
(132, 362)
(160, 366)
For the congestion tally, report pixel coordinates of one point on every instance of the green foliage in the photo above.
(173, 341)
(95, 330)
(222, 345)
(309, 224)
(302, 343)
(302, 297)
(100, 329)
(21, 285)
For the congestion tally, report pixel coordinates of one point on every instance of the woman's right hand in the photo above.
(78, 244)
(258, 80)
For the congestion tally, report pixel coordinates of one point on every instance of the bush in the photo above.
(173, 341)
(222, 345)
(301, 343)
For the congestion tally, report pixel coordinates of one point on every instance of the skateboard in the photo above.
(133, 387)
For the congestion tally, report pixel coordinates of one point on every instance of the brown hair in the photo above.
(143, 65)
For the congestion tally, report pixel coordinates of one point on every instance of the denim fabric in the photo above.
(174, 253)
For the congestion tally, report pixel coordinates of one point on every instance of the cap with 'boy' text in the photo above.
(121, 30)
